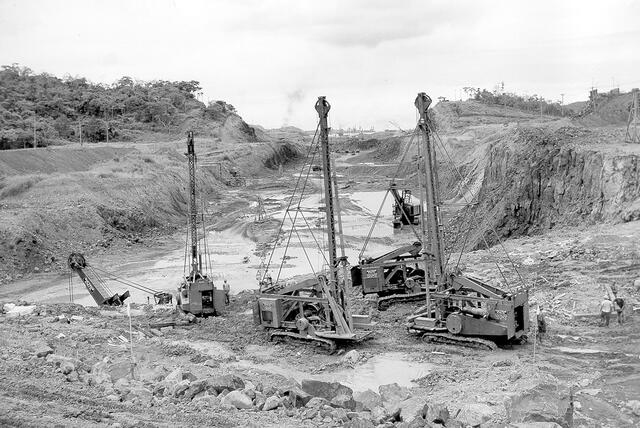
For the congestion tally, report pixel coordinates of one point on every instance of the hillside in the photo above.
(72, 108)
(523, 173)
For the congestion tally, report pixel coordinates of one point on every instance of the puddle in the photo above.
(382, 369)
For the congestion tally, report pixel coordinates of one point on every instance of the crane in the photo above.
(197, 294)
(91, 277)
(462, 309)
(404, 210)
(314, 307)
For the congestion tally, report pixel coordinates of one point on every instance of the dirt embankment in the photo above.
(100, 197)
(541, 179)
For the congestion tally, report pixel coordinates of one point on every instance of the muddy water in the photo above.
(306, 252)
(229, 249)
(382, 369)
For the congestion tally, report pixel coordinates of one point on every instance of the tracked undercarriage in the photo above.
(459, 309)
(314, 308)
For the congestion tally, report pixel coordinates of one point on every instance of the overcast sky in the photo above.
(272, 58)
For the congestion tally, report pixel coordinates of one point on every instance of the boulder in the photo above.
(20, 311)
(359, 423)
(188, 375)
(317, 403)
(58, 360)
(298, 397)
(67, 367)
(122, 385)
(139, 393)
(208, 400)
(119, 370)
(546, 402)
(344, 401)
(151, 374)
(195, 387)
(100, 373)
(379, 415)
(237, 399)
(367, 400)
(249, 392)
(220, 383)
(475, 414)
(72, 377)
(436, 413)
(351, 357)
(212, 363)
(271, 403)
(174, 377)
(393, 393)
(43, 350)
(7, 307)
(339, 415)
(177, 389)
(269, 391)
(159, 389)
(259, 401)
(409, 408)
(310, 413)
(327, 390)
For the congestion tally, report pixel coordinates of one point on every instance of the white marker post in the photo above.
(130, 338)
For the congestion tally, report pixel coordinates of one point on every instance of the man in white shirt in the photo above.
(227, 288)
(606, 306)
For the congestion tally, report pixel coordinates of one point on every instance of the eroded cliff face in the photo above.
(541, 179)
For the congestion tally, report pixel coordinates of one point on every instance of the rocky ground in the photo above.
(69, 365)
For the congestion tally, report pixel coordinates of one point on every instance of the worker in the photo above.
(605, 311)
(542, 323)
(227, 288)
(618, 305)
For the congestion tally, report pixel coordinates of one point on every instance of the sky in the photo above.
(271, 59)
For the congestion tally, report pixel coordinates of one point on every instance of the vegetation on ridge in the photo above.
(58, 108)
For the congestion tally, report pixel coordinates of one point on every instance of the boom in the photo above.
(99, 292)
(196, 261)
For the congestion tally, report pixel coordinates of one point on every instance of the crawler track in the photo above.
(451, 339)
(385, 302)
(329, 344)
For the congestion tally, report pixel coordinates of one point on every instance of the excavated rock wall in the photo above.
(539, 183)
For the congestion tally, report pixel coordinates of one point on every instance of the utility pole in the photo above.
(633, 126)
(35, 142)
(80, 132)
(562, 105)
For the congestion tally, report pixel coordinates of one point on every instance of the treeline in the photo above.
(67, 108)
(531, 103)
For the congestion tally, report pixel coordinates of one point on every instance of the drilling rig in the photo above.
(315, 308)
(197, 294)
(462, 309)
